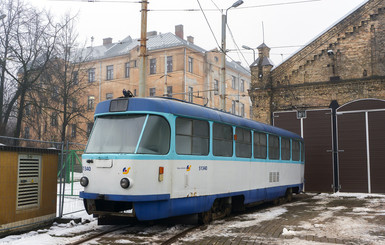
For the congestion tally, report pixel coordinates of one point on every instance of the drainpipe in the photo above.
(336, 186)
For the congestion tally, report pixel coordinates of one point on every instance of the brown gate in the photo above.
(361, 144)
(315, 127)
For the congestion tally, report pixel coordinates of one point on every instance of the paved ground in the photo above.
(310, 219)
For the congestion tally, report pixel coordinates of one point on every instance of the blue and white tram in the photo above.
(153, 158)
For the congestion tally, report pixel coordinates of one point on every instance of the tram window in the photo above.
(302, 152)
(260, 145)
(243, 143)
(156, 137)
(285, 148)
(273, 147)
(296, 150)
(223, 140)
(192, 137)
(115, 134)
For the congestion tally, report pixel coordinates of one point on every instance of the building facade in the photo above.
(176, 68)
(332, 92)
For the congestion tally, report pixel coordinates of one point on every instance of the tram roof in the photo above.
(186, 109)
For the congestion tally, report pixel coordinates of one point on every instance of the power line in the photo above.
(246, 7)
(212, 32)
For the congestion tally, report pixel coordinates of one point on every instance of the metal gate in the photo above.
(315, 127)
(361, 144)
(345, 146)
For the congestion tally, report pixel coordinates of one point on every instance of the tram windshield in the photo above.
(135, 134)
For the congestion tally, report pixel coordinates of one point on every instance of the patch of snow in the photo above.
(286, 232)
(258, 217)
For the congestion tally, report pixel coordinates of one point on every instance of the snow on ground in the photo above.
(337, 221)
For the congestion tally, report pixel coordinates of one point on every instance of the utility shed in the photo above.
(28, 188)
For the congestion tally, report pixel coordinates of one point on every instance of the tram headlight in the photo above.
(125, 183)
(84, 181)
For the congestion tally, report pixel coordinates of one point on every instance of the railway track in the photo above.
(169, 241)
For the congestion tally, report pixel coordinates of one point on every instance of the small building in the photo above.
(28, 188)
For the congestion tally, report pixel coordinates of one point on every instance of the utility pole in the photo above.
(143, 51)
(223, 66)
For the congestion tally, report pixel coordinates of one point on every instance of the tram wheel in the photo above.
(204, 218)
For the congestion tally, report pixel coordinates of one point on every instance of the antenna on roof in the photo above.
(263, 32)
(92, 41)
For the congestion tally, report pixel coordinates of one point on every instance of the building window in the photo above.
(91, 102)
(152, 66)
(190, 94)
(192, 137)
(75, 77)
(251, 112)
(91, 75)
(54, 119)
(127, 70)
(109, 96)
(190, 64)
(134, 63)
(26, 132)
(152, 91)
(110, 72)
(242, 87)
(169, 63)
(233, 82)
(169, 91)
(242, 110)
(233, 107)
(74, 105)
(89, 128)
(55, 92)
(134, 92)
(216, 86)
(27, 110)
(73, 131)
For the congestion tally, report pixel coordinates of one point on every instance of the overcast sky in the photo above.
(286, 22)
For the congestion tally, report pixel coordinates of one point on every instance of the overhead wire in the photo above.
(212, 32)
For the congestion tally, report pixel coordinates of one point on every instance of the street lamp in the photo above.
(3, 16)
(223, 68)
(248, 48)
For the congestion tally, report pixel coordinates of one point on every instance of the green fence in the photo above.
(72, 164)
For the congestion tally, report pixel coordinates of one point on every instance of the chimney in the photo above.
(179, 31)
(152, 33)
(107, 41)
(190, 39)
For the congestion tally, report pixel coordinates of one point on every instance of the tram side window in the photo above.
(285, 148)
(296, 150)
(273, 147)
(223, 140)
(192, 137)
(302, 152)
(260, 145)
(243, 143)
(156, 137)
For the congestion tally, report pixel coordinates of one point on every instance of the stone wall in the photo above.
(345, 63)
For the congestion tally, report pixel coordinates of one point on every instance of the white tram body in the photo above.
(153, 158)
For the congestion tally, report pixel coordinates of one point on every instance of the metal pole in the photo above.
(143, 51)
(223, 66)
(61, 195)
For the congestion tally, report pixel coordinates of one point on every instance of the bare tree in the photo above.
(28, 38)
(62, 84)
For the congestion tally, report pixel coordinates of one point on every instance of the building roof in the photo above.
(266, 61)
(186, 109)
(155, 42)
